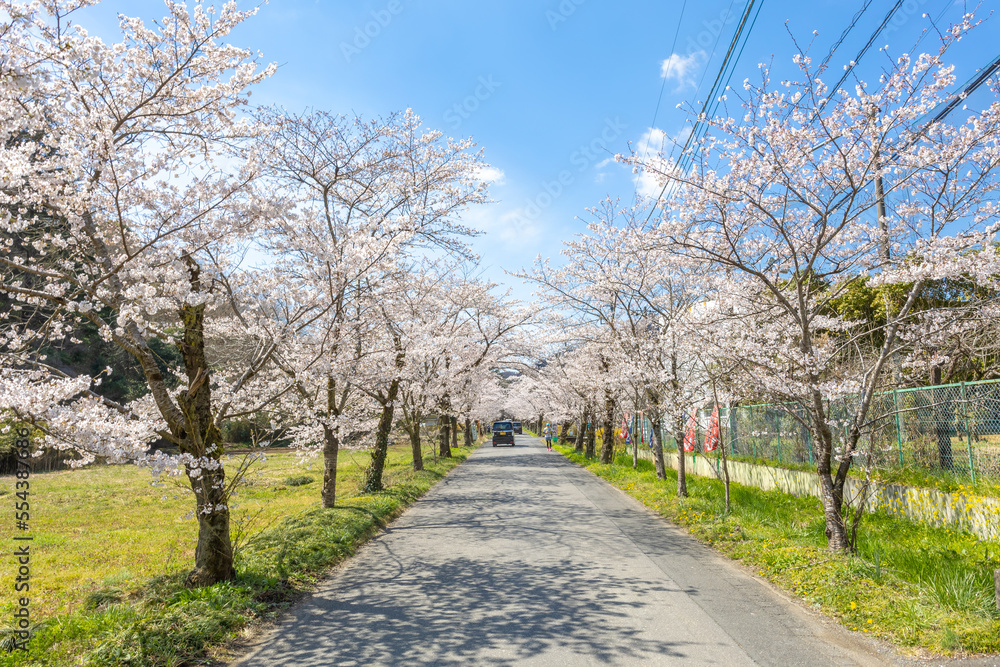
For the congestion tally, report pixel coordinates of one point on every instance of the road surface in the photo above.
(520, 557)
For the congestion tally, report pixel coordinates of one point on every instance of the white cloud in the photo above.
(518, 225)
(653, 141)
(681, 69)
(510, 226)
(491, 175)
(654, 148)
(648, 184)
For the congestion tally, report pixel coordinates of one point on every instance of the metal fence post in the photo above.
(777, 431)
(899, 426)
(968, 433)
(753, 433)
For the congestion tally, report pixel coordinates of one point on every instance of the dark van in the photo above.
(503, 433)
(517, 428)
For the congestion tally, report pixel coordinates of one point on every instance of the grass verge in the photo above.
(113, 552)
(910, 475)
(917, 586)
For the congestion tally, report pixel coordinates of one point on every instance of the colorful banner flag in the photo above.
(624, 433)
(712, 432)
(690, 434)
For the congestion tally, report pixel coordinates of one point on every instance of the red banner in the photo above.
(712, 433)
(690, 434)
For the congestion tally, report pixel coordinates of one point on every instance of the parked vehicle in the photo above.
(503, 433)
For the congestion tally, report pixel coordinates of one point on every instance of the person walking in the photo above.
(548, 436)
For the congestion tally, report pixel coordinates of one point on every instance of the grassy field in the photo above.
(917, 586)
(111, 549)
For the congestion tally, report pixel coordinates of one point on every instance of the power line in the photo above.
(701, 81)
(970, 86)
(861, 54)
(847, 30)
(673, 45)
(663, 84)
(715, 100)
(713, 89)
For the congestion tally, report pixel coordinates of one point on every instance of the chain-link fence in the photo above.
(949, 430)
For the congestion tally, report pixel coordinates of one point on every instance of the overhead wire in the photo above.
(659, 99)
(715, 100)
(715, 84)
(701, 81)
(861, 54)
(969, 87)
(673, 45)
(854, 21)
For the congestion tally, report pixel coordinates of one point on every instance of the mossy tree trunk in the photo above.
(331, 443)
(591, 435)
(373, 475)
(608, 439)
(682, 489)
(201, 438)
(469, 440)
(444, 438)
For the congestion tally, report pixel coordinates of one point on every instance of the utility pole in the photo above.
(880, 210)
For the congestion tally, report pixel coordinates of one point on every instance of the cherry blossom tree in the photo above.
(366, 199)
(786, 199)
(118, 169)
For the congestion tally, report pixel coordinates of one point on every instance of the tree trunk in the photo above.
(213, 556)
(415, 446)
(563, 430)
(444, 425)
(832, 492)
(608, 440)
(469, 441)
(725, 469)
(331, 449)
(578, 444)
(373, 475)
(661, 466)
(591, 437)
(833, 506)
(454, 432)
(682, 487)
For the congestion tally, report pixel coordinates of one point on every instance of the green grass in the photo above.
(909, 475)
(914, 585)
(111, 551)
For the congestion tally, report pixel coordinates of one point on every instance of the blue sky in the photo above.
(551, 89)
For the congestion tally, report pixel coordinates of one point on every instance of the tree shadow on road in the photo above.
(465, 611)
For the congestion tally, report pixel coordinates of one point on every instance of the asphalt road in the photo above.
(519, 557)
